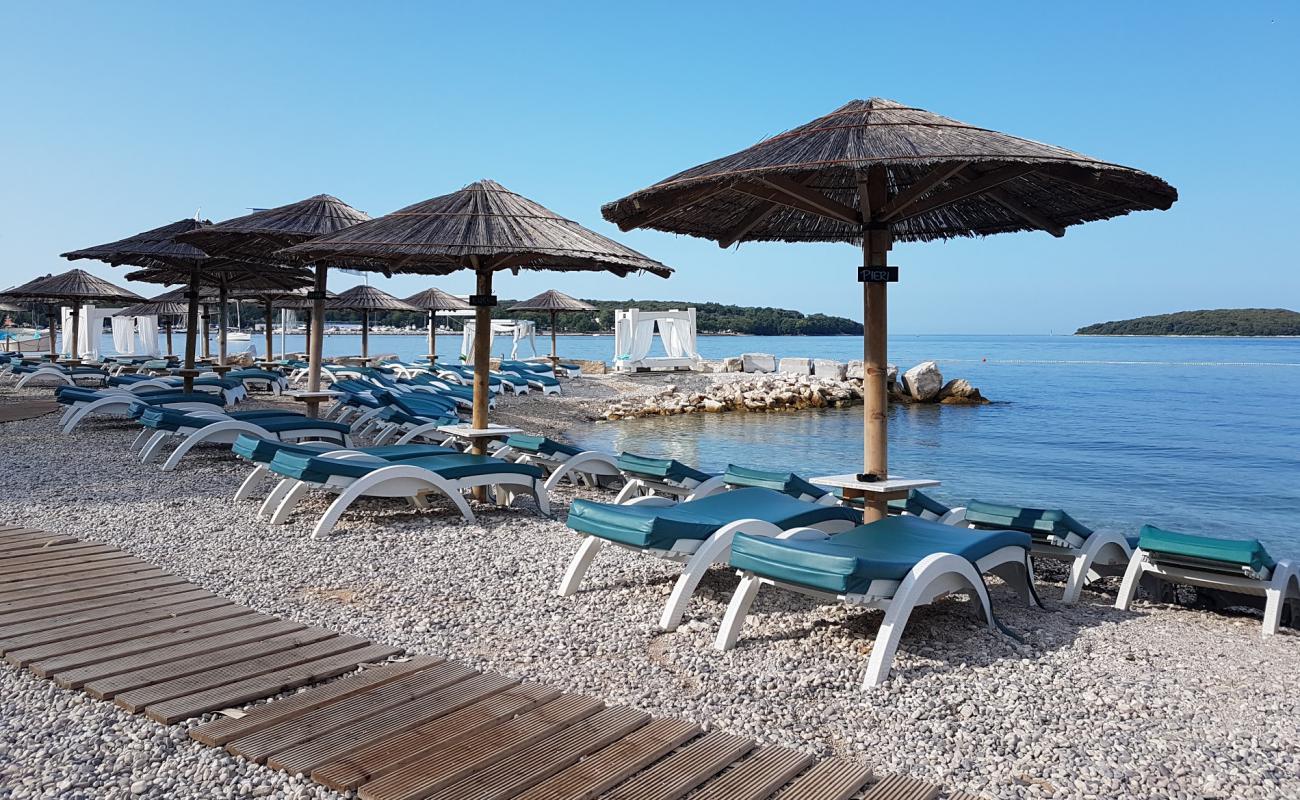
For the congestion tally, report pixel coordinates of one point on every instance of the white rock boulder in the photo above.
(732, 364)
(796, 366)
(828, 368)
(923, 382)
(855, 370)
(758, 362)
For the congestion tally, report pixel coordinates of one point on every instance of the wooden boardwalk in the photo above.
(91, 617)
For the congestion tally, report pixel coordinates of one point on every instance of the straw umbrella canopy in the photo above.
(553, 302)
(366, 298)
(77, 287)
(874, 172)
(485, 228)
(433, 301)
(259, 235)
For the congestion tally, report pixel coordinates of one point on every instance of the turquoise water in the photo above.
(1194, 434)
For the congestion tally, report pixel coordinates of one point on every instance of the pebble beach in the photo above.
(1083, 701)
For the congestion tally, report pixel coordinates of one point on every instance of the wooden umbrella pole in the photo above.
(191, 330)
(555, 358)
(365, 333)
(317, 332)
(482, 302)
(876, 242)
(223, 298)
(270, 337)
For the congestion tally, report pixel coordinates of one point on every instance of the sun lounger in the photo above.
(697, 532)
(82, 403)
(894, 565)
(67, 376)
(206, 427)
(560, 461)
(542, 381)
(660, 476)
(1232, 566)
(261, 452)
(260, 379)
(1056, 535)
(352, 477)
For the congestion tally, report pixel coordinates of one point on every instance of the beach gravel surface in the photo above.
(1083, 701)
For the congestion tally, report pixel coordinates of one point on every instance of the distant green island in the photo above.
(709, 318)
(1209, 322)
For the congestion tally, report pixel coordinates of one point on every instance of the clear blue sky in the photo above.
(120, 117)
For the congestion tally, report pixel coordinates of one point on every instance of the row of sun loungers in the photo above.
(773, 528)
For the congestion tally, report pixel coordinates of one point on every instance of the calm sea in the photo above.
(1194, 434)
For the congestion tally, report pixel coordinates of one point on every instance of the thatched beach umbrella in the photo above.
(50, 317)
(259, 235)
(366, 298)
(483, 227)
(433, 301)
(874, 172)
(554, 302)
(77, 287)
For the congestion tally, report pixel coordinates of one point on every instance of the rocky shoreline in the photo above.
(757, 382)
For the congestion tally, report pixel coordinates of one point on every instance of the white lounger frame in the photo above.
(1277, 586)
(395, 479)
(117, 403)
(635, 486)
(225, 430)
(585, 468)
(62, 376)
(697, 555)
(934, 576)
(1102, 553)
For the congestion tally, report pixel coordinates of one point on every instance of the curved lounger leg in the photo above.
(292, 495)
(631, 489)
(1132, 576)
(935, 573)
(141, 438)
(418, 431)
(80, 413)
(273, 500)
(708, 487)
(1020, 577)
(1284, 585)
(711, 550)
(579, 565)
(737, 610)
(573, 467)
(152, 447)
(227, 428)
(1104, 548)
(250, 483)
(363, 486)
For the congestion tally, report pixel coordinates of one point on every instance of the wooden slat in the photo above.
(22, 534)
(67, 567)
(83, 658)
(71, 600)
(262, 745)
(110, 687)
(836, 779)
(76, 678)
(218, 732)
(56, 582)
(899, 787)
(592, 776)
(758, 776)
(171, 711)
(399, 719)
(57, 552)
(105, 627)
(21, 624)
(141, 636)
(447, 765)
(136, 700)
(25, 545)
(507, 778)
(55, 592)
(677, 775)
(478, 703)
(962, 796)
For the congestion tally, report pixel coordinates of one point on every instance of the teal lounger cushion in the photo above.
(917, 503)
(262, 451)
(848, 562)
(660, 526)
(1030, 520)
(661, 468)
(786, 482)
(452, 466)
(525, 443)
(1233, 552)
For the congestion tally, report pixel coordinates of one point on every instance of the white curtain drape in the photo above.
(90, 325)
(147, 329)
(517, 330)
(679, 338)
(633, 343)
(123, 335)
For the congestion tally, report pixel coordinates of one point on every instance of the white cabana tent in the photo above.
(634, 333)
(517, 329)
(90, 324)
(126, 329)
